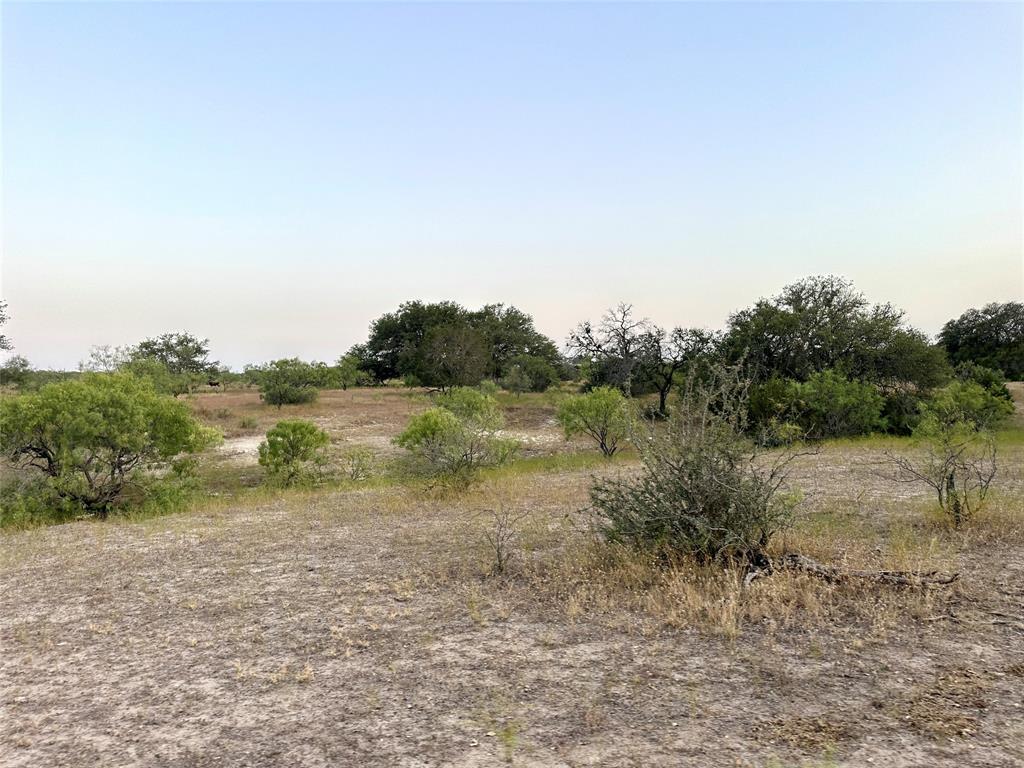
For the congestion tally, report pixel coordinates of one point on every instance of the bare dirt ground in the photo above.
(364, 418)
(360, 628)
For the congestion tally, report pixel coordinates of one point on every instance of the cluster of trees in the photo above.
(992, 336)
(445, 345)
(817, 360)
(818, 356)
(175, 363)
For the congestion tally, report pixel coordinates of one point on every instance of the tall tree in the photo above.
(614, 346)
(665, 356)
(456, 357)
(180, 352)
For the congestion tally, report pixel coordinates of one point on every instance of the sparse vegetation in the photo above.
(959, 461)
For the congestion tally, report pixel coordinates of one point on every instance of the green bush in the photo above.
(967, 402)
(27, 502)
(15, 372)
(704, 489)
(359, 463)
(161, 377)
(288, 382)
(488, 387)
(472, 406)
(516, 381)
(93, 438)
(771, 401)
(991, 380)
(534, 373)
(293, 450)
(452, 442)
(902, 412)
(602, 413)
(830, 405)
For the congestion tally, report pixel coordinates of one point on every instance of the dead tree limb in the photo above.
(794, 561)
(797, 562)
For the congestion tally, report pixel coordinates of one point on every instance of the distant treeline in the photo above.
(818, 354)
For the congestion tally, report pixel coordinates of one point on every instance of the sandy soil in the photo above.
(364, 418)
(317, 631)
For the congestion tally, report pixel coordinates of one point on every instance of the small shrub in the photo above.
(292, 448)
(33, 501)
(602, 414)
(651, 412)
(358, 463)
(704, 488)
(529, 373)
(501, 536)
(959, 464)
(516, 381)
(452, 442)
(248, 422)
(472, 406)
(488, 387)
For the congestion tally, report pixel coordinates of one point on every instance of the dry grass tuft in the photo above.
(951, 705)
(811, 735)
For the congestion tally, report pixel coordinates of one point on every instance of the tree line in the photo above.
(818, 354)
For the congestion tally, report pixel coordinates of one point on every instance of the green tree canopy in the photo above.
(992, 336)
(180, 352)
(405, 343)
(823, 323)
(94, 436)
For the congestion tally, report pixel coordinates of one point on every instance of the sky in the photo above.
(273, 176)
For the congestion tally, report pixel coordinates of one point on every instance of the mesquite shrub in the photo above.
(705, 489)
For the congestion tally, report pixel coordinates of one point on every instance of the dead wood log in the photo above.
(794, 561)
(797, 562)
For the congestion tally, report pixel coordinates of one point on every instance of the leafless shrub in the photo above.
(358, 464)
(959, 465)
(501, 535)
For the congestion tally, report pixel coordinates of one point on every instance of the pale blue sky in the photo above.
(274, 176)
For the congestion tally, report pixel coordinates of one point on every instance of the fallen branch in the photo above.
(794, 561)
(797, 562)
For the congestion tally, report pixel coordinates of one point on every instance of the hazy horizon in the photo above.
(275, 176)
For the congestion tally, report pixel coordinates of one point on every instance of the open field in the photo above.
(361, 625)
